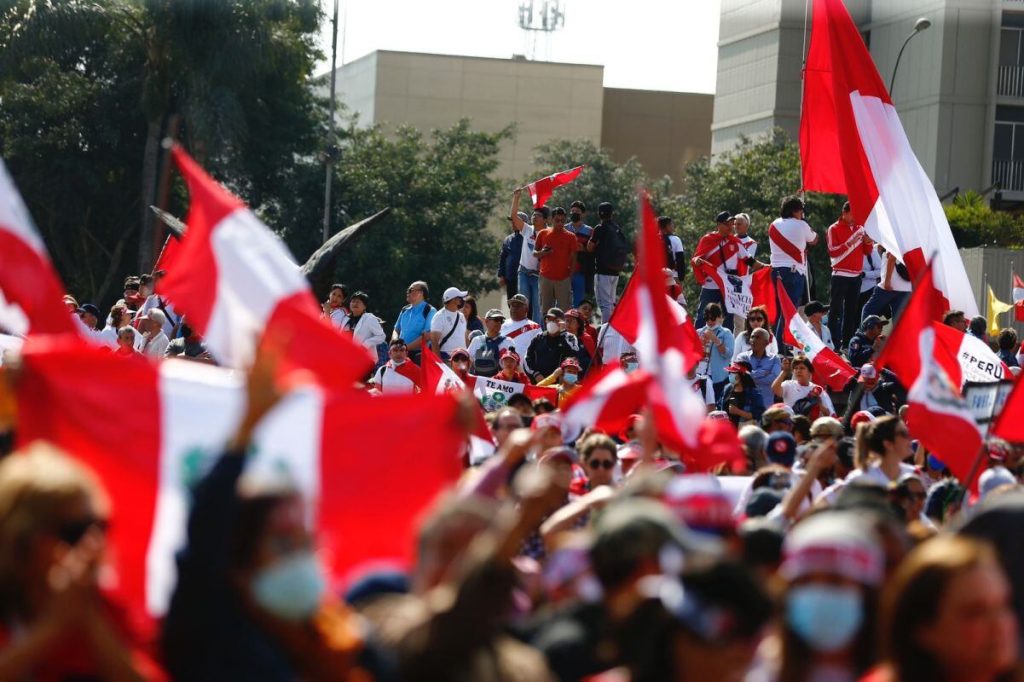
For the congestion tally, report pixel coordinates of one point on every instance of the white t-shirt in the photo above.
(742, 346)
(874, 474)
(527, 260)
(520, 333)
(792, 391)
(798, 233)
(389, 382)
(896, 282)
(677, 247)
(872, 271)
(443, 322)
(157, 346)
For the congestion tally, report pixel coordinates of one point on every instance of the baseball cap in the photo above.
(570, 362)
(781, 448)
(91, 309)
(494, 314)
(859, 418)
(871, 321)
(460, 352)
(453, 292)
(834, 542)
(508, 353)
(815, 307)
(723, 217)
(572, 312)
(867, 372)
(762, 501)
(549, 420)
(699, 502)
(555, 312)
(827, 426)
(740, 367)
(605, 207)
(519, 298)
(773, 414)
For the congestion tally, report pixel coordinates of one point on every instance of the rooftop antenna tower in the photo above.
(539, 19)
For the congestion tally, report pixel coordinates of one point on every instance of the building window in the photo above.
(1008, 148)
(1010, 81)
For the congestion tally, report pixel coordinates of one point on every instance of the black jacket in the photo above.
(861, 349)
(508, 261)
(546, 352)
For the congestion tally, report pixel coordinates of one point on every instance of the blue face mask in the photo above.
(632, 367)
(570, 378)
(290, 588)
(826, 617)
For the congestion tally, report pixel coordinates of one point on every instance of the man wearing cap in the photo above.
(778, 417)
(866, 343)
(875, 389)
(485, 350)
(448, 326)
(718, 346)
(815, 314)
(529, 266)
(788, 239)
(398, 374)
(414, 320)
(520, 329)
(548, 350)
(156, 341)
(848, 245)
(566, 379)
(508, 262)
(720, 251)
(556, 250)
(611, 249)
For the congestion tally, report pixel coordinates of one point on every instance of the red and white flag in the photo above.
(663, 350)
(540, 190)
(763, 289)
(241, 286)
(1018, 298)
(852, 142)
(938, 416)
(830, 368)
(493, 393)
(181, 416)
(625, 320)
(963, 357)
(607, 401)
(30, 288)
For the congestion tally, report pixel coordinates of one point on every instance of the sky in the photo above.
(643, 44)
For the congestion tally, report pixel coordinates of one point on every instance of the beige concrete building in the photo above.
(545, 101)
(959, 90)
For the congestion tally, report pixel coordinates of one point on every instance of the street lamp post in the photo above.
(919, 25)
(331, 153)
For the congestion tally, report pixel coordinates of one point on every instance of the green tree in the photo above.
(974, 223)
(752, 178)
(442, 190)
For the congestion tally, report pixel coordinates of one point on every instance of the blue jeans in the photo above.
(795, 286)
(711, 296)
(529, 286)
(579, 288)
(605, 286)
(884, 302)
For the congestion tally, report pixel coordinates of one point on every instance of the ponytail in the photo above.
(871, 437)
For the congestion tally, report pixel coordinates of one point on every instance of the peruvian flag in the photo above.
(241, 287)
(540, 190)
(852, 142)
(829, 366)
(963, 357)
(27, 279)
(493, 394)
(607, 401)
(625, 320)
(151, 431)
(169, 254)
(663, 350)
(1018, 298)
(938, 415)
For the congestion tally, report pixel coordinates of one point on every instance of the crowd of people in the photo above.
(837, 549)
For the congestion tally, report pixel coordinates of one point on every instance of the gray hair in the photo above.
(742, 216)
(760, 331)
(755, 439)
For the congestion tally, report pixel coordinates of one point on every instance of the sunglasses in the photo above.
(601, 463)
(72, 532)
(756, 319)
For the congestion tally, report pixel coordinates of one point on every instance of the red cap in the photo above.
(570, 362)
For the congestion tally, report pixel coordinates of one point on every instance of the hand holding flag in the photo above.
(541, 190)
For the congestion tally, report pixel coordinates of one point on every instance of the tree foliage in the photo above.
(974, 223)
(442, 191)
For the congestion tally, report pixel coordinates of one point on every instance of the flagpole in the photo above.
(972, 474)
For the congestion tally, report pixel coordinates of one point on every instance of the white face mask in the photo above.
(553, 327)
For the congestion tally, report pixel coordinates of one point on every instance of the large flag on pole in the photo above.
(27, 277)
(541, 190)
(829, 367)
(240, 285)
(183, 413)
(852, 142)
(625, 320)
(607, 400)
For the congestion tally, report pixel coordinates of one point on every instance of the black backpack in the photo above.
(485, 362)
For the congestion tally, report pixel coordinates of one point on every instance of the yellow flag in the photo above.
(995, 309)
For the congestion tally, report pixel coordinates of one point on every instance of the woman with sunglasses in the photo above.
(56, 623)
(599, 455)
(757, 318)
(882, 448)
